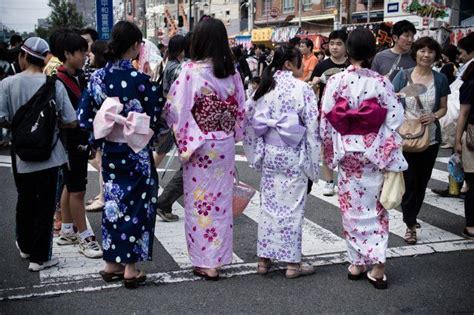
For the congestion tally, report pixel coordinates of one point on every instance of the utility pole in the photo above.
(369, 7)
(250, 14)
(300, 11)
(190, 21)
(337, 15)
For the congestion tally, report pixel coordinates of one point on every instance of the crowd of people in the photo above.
(299, 114)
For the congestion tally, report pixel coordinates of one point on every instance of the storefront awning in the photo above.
(313, 18)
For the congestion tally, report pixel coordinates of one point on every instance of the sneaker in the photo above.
(328, 189)
(167, 216)
(37, 266)
(90, 248)
(67, 239)
(22, 254)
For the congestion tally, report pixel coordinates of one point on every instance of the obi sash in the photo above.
(286, 130)
(213, 114)
(133, 130)
(365, 119)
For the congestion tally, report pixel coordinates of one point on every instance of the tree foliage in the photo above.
(63, 15)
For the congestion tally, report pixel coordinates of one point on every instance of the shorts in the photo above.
(75, 174)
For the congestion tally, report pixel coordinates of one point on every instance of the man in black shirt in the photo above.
(335, 63)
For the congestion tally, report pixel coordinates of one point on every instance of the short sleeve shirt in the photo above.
(15, 91)
(466, 96)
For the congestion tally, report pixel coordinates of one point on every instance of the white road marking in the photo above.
(316, 239)
(173, 238)
(427, 234)
(180, 276)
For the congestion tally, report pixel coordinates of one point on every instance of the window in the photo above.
(307, 5)
(266, 7)
(288, 6)
(329, 3)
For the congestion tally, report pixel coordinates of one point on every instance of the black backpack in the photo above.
(34, 125)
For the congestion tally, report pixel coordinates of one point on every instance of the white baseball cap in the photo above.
(36, 47)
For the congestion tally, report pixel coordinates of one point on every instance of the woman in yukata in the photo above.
(282, 141)
(205, 110)
(120, 106)
(359, 119)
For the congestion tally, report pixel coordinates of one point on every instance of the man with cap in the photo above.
(35, 181)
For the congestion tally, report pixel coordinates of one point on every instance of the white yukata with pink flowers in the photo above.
(362, 160)
(288, 109)
(206, 115)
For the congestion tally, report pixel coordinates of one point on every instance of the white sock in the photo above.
(67, 228)
(86, 234)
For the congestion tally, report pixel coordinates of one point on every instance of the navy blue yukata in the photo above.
(130, 179)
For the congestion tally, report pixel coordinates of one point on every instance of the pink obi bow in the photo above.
(288, 126)
(365, 119)
(133, 130)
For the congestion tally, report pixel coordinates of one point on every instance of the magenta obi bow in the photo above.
(365, 119)
(133, 130)
(288, 126)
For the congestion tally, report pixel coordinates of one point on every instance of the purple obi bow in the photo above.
(365, 119)
(287, 126)
(133, 130)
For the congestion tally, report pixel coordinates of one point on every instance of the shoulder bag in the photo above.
(416, 137)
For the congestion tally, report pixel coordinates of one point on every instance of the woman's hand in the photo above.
(427, 119)
(458, 147)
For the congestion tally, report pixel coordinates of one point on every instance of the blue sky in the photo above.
(22, 15)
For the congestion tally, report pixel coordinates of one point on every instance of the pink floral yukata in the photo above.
(285, 166)
(362, 158)
(206, 114)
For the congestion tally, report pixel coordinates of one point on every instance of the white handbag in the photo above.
(393, 190)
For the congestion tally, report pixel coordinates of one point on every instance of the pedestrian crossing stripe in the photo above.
(319, 245)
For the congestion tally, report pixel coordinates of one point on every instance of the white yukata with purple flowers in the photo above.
(362, 160)
(282, 141)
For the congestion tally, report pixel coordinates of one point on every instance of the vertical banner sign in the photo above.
(104, 10)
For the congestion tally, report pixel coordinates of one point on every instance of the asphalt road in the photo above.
(436, 276)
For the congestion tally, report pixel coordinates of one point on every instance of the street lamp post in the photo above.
(300, 11)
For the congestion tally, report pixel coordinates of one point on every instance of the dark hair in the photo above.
(255, 80)
(125, 34)
(210, 41)
(98, 48)
(70, 42)
(467, 43)
(295, 41)
(451, 52)
(32, 59)
(426, 42)
(161, 45)
(175, 46)
(236, 52)
(308, 42)
(360, 46)
(15, 39)
(338, 34)
(53, 38)
(282, 54)
(261, 47)
(187, 44)
(92, 32)
(403, 26)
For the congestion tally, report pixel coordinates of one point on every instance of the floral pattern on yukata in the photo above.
(285, 170)
(212, 114)
(361, 161)
(207, 123)
(130, 180)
